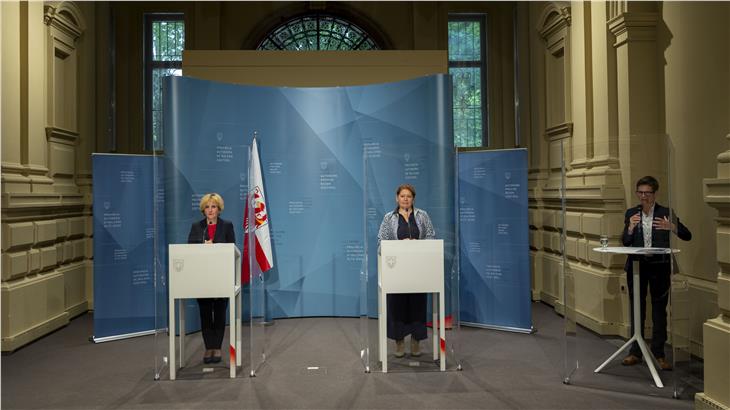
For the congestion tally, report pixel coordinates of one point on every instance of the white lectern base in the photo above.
(412, 267)
(648, 357)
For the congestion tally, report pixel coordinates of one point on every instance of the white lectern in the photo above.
(412, 267)
(636, 337)
(205, 271)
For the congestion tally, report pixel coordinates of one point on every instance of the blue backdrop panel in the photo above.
(311, 146)
(494, 243)
(123, 245)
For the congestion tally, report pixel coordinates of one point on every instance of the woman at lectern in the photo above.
(209, 230)
(407, 311)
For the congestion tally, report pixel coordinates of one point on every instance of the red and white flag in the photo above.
(262, 237)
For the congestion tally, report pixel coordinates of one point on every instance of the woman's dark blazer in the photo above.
(223, 232)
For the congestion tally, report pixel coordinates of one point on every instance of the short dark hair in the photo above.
(648, 180)
(408, 187)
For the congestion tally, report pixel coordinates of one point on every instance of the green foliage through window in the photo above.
(467, 66)
(164, 44)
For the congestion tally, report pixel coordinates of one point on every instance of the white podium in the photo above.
(412, 267)
(636, 337)
(205, 271)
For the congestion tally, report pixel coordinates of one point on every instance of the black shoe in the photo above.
(208, 356)
(216, 358)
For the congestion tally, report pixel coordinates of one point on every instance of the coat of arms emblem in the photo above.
(179, 264)
(390, 260)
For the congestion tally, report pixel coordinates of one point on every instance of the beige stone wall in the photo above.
(46, 134)
(697, 103)
(574, 126)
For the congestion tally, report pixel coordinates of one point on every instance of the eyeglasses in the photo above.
(644, 193)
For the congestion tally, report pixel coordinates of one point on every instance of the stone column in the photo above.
(13, 179)
(638, 95)
(34, 144)
(716, 332)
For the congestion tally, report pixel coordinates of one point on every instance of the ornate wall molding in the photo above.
(66, 18)
(554, 22)
(559, 132)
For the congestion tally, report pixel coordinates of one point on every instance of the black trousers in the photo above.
(407, 315)
(656, 278)
(213, 321)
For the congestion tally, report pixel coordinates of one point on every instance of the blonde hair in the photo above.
(211, 197)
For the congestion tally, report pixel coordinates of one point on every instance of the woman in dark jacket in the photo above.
(407, 311)
(209, 230)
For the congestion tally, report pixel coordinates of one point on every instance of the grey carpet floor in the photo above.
(315, 363)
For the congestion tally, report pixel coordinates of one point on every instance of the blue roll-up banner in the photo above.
(494, 244)
(124, 303)
(311, 148)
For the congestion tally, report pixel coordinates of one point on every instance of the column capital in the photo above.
(633, 26)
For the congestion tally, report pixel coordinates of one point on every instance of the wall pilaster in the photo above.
(716, 331)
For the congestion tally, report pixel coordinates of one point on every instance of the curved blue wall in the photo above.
(311, 143)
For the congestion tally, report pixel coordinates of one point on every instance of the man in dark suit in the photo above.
(209, 230)
(648, 225)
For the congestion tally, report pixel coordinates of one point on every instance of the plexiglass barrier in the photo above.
(621, 238)
(410, 289)
(192, 166)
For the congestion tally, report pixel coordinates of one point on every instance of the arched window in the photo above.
(318, 31)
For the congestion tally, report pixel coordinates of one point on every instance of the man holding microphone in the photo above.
(649, 225)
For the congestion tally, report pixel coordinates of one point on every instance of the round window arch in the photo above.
(318, 31)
